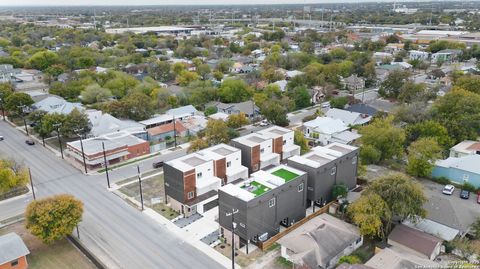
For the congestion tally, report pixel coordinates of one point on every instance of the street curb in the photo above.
(87, 253)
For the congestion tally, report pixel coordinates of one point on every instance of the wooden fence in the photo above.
(268, 243)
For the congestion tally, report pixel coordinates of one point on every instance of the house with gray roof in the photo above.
(417, 242)
(320, 242)
(13, 252)
(56, 104)
(247, 107)
(461, 170)
(7, 73)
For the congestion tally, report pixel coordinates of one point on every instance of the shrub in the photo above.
(469, 187)
(441, 180)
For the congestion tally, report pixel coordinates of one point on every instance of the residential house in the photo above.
(433, 228)
(415, 241)
(56, 104)
(418, 55)
(381, 57)
(182, 112)
(257, 151)
(354, 83)
(293, 73)
(219, 116)
(248, 108)
(194, 124)
(104, 123)
(283, 141)
(394, 258)
(327, 166)
(320, 242)
(349, 118)
(261, 204)
(119, 146)
(282, 84)
(446, 55)
(460, 170)
(465, 148)
(192, 181)
(13, 252)
(362, 109)
(326, 130)
(7, 73)
(167, 131)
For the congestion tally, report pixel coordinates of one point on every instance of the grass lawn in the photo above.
(256, 188)
(285, 174)
(60, 255)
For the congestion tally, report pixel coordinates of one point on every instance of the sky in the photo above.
(164, 2)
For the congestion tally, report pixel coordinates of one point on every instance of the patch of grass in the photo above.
(273, 247)
(165, 211)
(13, 192)
(152, 188)
(285, 174)
(256, 188)
(143, 175)
(110, 168)
(283, 262)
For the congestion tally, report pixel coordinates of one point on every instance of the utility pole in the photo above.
(23, 117)
(106, 164)
(174, 132)
(78, 232)
(234, 225)
(57, 125)
(31, 184)
(83, 152)
(3, 109)
(140, 185)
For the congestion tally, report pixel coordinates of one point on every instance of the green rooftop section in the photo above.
(256, 188)
(285, 174)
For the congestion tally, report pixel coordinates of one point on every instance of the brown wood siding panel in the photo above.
(256, 158)
(189, 182)
(278, 146)
(221, 169)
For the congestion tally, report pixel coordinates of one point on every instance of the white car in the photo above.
(1, 138)
(264, 123)
(448, 189)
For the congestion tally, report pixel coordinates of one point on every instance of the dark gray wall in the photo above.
(246, 154)
(174, 179)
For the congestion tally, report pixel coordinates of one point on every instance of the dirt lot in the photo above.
(60, 255)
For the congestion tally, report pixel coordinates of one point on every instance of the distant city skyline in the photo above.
(176, 2)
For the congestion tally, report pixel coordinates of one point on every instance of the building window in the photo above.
(334, 171)
(14, 263)
(190, 194)
(284, 142)
(199, 175)
(465, 177)
(262, 150)
(300, 187)
(229, 164)
(271, 203)
(354, 160)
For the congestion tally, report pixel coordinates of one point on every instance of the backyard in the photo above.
(59, 255)
(153, 193)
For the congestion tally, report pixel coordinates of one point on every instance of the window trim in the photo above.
(271, 202)
(190, 194)
(300, 187)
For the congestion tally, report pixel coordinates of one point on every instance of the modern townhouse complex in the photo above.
(327, 166)
(262, 203)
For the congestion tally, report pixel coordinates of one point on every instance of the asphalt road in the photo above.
(119, 235)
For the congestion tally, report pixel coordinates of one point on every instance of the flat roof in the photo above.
(194, 161)
(252, 139)
(274, 131)
(256, 139)
(218, 151)
(223, 151)
(188, 162)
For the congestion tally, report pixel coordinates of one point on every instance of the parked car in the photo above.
(264, 123)
(448, 189)
(478, 197)
(464, 194)
(30, 142)
(1, 138)
(157, 164)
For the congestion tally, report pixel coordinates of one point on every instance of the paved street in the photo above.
(121, 236)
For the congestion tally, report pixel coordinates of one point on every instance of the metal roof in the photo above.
(12, 248)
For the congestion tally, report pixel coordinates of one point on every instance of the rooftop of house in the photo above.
(166, 128)
(274, 131)
(319, 240)
(467, 147)
(219, 151)
(350, 118)
(182, 111)
(12, 247)
(320, 156)
(414, 239)
(395, 258)
(262, 182)
(326, 125)
(467, 163)
(252, 139)
(111, 141)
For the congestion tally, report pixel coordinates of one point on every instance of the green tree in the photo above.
(210, 110)
(237, 120)
(470, 83)
(187, 77)
(53, 218)
(217, 132)
(350, 259)
(197, 144)
(300, 140)
(459, 112)
(95, 94)
(203, 70)
(476, 228)
(12, 175)
(385, 138)
(16, 102)
(339, 191)
(160, 71)
(403, 196)
(392, 86)
(234, 91)
(339, 102)
(422, 155)
(137, 106)
(76, 122)
(275, 112)
(371, 214)
(43, 60)
(411, 91)
(429, 128)
(302, 98)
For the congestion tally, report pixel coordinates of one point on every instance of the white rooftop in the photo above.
(468, 163)
(326, 125)
(252, 139)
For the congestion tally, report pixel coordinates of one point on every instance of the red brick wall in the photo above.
(221, 169)
(278, 146)
(138, 150)
(189, 182)
(256, 157)
(22, 264)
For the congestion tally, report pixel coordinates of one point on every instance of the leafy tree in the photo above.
(95, 94)
(187, 77)
(301, 97)
(224, 65)
(428, 128)
(43, 60)
(76, 122)
(470, 83)
(476, 228)
(371, 214)
(383, 138)
(339, 190)
(197, 144)
(339, 102)
(137, 106)
(393, 84)
(350, 259)
(216, 132)
(411, 91)
(422, 155)
(275, 112)
(160, 71)
(203, 70)
(210, 110)
(218, 75)
(234, 91)
(237, 120)
(300, 140)
(50, 123)
(121, 84)
(12, 175)
(464, 246)
(53, 218)
(459, 112)
(15, 102)
(403, 196)
(369, 154)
